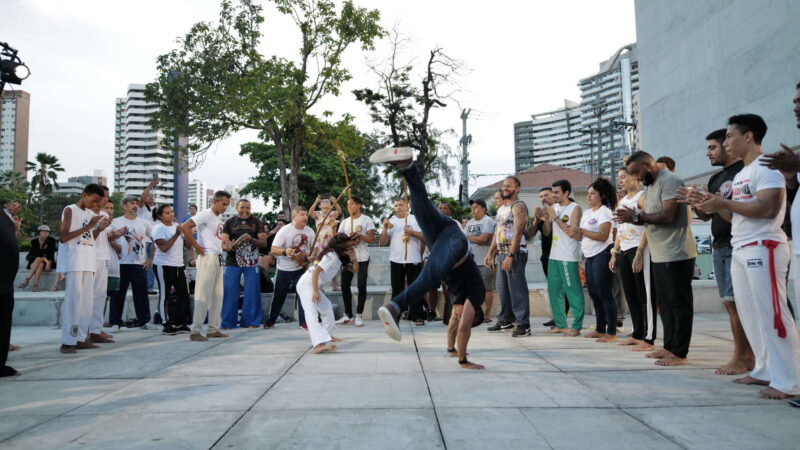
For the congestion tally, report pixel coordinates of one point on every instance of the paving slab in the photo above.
(18, 397)
(351, 429)
(234, 364)
(185, 430)
(519, 360)
(482, 428)
(768, 426)
(19, 423)
(341, 362)
(612, 357)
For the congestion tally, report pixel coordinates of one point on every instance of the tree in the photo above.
(14, 181)
(216, 82)
(404, 107)
(320, 171)
(45, 172)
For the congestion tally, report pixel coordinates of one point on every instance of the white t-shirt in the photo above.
(174, 256)
(146, 213)
(397, 248)
(290, 237)
(629, 234)
(753, 178)
(134, 239)
(591, 221)
(77, 254)
(564, 248)
(362, 225)
(330, 266)
(477, 228)
(795, 216)
(101, 248)
(209, 231)
(113, 263)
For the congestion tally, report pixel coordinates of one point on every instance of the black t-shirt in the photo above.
(547, 240)
(246, 255)
(722, 183)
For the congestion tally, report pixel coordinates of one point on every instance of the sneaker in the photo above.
(169, 330)
(550, 323)
(521, 331)
(184, 329)
(344, 320)
(157, 320)
(500, 327)
(115, 329)
(359, 321)
(389, 318)
(145, 327)
(268, 325)
(397, 156)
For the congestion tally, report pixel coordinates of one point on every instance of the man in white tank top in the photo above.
(77, 261)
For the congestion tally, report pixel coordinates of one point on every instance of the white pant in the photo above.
(795, 272)
(777, 359)
(319, 332)
(76, 309)
(207, 293)
(100, 292)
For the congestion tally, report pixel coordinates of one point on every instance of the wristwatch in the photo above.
(636, 217)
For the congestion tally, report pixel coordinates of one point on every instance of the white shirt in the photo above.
(795, 216)
(362, 225)
(629, 234)
(564, 247)
(172, 257)
(753, 178)
(146, 213)
(113, 263)
(397, 248)
(290, 237)
(591, 221)
(330, 266)
(134, 239)
(101, 247)
(77, 254)
(209, 231)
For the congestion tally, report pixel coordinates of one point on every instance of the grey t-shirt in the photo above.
(668, 243)
(477, 228)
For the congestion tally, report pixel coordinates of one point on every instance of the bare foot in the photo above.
(24, 283)
(774, 394)
(672, 360)
(13, 348)
(734, 367)
(658, 354)
(643, 347)
(87, 344)
(36, 289)
(750, 380)
(629, 341)
(335, 339)
(67, 349)
(572, 333)
(607, 338)
(471, 365)
(323, 348)
(556, 330)
(593, 334)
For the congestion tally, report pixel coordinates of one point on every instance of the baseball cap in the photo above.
(43, 228)
(478, 201)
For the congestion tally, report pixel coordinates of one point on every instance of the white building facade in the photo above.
(553, 137)
(198, 194)
(14, 120)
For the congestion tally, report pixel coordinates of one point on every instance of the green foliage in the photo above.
(45, 172)
(116, 197)
(14, 181)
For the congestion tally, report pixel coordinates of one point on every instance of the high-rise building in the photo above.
(75, 185)
(198, 194)
(138, 154)
(607, 115)
(15, 109)
(552, 137)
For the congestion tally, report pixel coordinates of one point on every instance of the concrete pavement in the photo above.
(264, 389)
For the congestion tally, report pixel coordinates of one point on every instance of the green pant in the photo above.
(563, 277)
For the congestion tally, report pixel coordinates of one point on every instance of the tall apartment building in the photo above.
(607, 114)
(138, 154)
(198, 194)
(552, 137)
(15, 109)
(75, 185)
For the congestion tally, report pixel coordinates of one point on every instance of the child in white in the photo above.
(77, 261)
(315, 302)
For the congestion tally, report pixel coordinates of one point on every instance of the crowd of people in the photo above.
(635, 237)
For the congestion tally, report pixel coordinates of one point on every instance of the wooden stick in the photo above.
(346, 177)
(405, 226)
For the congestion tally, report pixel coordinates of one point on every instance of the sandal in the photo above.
(35, 289)
(24, 284)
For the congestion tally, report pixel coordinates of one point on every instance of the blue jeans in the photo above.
(251, 307)
(448, 245)
(283, 281)
(598, 280)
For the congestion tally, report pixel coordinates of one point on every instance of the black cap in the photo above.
(478, 201)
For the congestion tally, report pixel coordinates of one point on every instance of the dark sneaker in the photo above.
(157, 319)
(389, 317)
(269, 325)
(396, 156)
(169, 330)
(184, 329)
(521, 331)
(500, 327)
(550, 323)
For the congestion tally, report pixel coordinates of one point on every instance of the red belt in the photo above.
(776, 298)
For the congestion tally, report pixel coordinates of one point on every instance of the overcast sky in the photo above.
(523, 58)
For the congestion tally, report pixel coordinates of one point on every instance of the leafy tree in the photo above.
(14, 181)
(217, 82)
(320, 171)
(45, 172)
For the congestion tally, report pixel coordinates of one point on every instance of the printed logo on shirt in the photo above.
(134, 241)
(218, 233)
(755, 263)
(741, 190)
(474, 229)
(73, 331)
(726, 190)
(565, 218)
(299, 243)
(592, 221)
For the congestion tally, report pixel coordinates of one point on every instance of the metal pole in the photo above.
(465, 141)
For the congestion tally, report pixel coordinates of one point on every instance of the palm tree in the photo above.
(13, 181)
(45, 171)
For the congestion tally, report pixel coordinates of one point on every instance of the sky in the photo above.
(520, 58)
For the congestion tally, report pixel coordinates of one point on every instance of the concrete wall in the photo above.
(703, 61)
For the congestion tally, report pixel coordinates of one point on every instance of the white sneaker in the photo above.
(359, 321)
(115, 329)
(392, 155)
(344, 320)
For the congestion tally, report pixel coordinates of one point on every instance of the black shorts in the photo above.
(465, 283)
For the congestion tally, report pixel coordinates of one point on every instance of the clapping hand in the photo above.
(690, 195)
(785, 160)
(623, 215)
